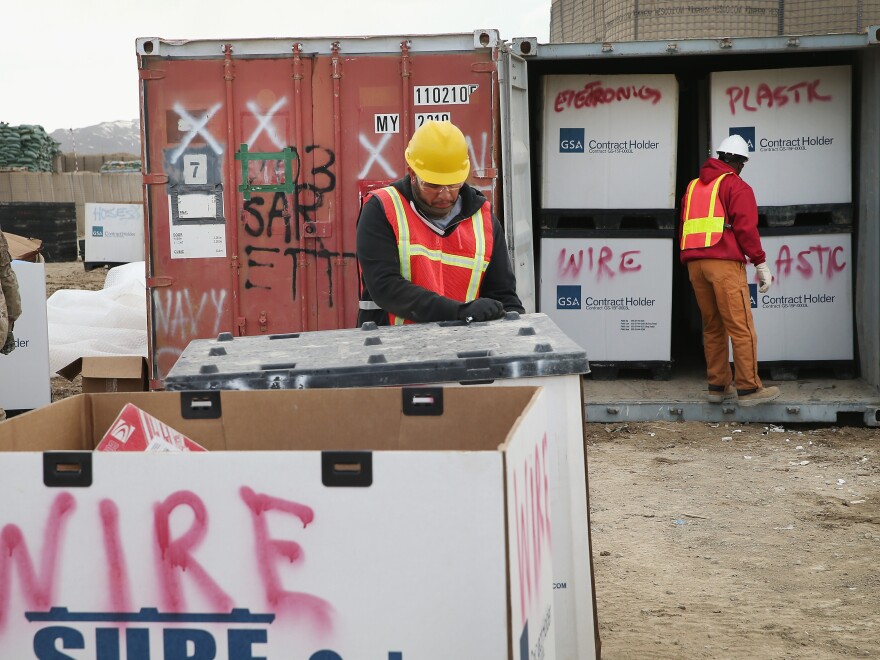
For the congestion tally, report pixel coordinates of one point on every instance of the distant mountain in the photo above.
(109, 137)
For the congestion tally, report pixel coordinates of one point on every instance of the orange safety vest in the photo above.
(452, 266)
(704, 215)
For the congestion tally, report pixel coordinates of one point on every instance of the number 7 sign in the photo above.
(195, 169)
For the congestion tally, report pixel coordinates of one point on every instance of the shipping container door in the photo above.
(189, 204)
(258, 156)
(516, 175)
(277, 169)
(233, 178)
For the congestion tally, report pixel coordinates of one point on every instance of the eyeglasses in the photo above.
(435, 188)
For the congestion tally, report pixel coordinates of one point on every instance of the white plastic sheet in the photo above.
(112, 321)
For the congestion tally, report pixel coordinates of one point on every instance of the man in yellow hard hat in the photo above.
(429, 247)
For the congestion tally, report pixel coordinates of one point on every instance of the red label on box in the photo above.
(136, 430)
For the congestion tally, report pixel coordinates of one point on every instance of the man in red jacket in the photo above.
(719, 229)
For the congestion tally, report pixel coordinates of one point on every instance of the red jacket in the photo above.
(741, 211)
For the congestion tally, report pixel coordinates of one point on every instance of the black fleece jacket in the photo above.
(382, 282)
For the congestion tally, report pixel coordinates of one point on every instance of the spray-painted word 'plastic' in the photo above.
(767, 97)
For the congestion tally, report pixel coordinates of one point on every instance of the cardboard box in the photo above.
(109, 373)
(527, 349)
(807, 315)
(601, 133)
(621, 319)
(363, 523)
(800, 135)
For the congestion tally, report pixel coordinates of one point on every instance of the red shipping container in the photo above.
(137, 430)
(257, 154)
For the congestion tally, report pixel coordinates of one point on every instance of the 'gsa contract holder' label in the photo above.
(604, 132)
(623, 304)
(612, 296)
(808, 312)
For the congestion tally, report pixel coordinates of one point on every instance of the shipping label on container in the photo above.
(114, 233)
(196, 231)
(798, 125)
(244, 555)
(443, 94)
(808, 312)
(24, 373)
(609, 141)
(612, 296)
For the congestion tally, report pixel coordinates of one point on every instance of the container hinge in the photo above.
(317, 229)
(155, 179)
(161, 280)
(484, 67)
(151, 74)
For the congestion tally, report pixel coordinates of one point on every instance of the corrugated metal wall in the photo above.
(585, 21)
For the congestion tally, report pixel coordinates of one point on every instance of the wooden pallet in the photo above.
(611, 219)
(809, 370)
(806, 215)
(605, 371)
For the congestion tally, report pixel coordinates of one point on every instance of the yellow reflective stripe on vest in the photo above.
(403, 247)
(708, 224)
(479, 263)
(475, 264)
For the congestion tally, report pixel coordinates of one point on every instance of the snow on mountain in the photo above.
(108, 137)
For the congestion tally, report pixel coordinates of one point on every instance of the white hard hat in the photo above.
(734, 145)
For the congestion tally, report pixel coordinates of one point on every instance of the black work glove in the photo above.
(9, 346)
(481, 309)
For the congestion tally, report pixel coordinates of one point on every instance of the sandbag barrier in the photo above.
(27, 148)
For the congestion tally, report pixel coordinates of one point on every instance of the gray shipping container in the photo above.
(812, 392)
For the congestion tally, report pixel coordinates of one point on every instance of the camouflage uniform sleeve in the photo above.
(9, 281)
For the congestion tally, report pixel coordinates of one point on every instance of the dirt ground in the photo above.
(718, 541)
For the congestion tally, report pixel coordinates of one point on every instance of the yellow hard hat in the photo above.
(438, 153)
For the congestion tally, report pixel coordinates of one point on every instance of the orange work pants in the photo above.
(722, 293)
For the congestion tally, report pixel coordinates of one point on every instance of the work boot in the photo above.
(717, 394)
(759, 396)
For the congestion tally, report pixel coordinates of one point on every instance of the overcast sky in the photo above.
(72, 63)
